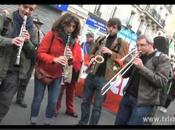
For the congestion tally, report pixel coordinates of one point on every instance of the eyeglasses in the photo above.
(141, 45)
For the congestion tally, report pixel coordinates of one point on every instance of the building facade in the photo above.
(136, 19)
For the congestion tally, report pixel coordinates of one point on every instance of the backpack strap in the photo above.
(6, 22)
(155, 59)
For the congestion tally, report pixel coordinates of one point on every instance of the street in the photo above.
(21, 116)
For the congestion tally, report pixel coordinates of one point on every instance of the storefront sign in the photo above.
(60, 7)
(96, 24)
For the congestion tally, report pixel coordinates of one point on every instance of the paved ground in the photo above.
(20, 116)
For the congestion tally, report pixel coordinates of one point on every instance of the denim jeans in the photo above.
(53, 93)
(131, 114)
(92, 87)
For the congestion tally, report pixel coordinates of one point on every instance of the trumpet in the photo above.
(23, 27)
(122, 71)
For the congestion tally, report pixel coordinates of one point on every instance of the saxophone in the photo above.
(23, 27)
(98, 57)
(67, 69)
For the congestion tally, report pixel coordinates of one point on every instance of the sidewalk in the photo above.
(20, 116)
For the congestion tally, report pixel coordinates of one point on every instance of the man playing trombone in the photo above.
(142, 91)
(102, 66)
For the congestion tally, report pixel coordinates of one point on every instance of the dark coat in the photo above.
(152, 80)
(27, 54)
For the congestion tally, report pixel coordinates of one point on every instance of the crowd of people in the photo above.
(56, 58)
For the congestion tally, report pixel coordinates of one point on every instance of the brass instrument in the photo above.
(67, 69)
(133, 54)
(23, 27)
(98, 58)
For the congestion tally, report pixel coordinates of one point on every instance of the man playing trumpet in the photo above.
(102, 66)
(143, 89)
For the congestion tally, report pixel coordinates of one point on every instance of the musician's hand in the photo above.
(138, 63)
(69, 53)
(61, 60)
(106, 50)
(26, 35)
(18, 41)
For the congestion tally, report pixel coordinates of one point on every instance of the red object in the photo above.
(86, 59)
(112, 100)
(79, 88)
(56, 50)
(70, 91)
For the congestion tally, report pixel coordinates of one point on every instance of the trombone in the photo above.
(108, 85)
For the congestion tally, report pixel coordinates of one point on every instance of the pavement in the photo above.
(21, 116)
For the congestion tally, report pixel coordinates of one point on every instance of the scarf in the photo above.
(17, 23)
(64, 37)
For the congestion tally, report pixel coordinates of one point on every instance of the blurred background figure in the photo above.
(86, 46)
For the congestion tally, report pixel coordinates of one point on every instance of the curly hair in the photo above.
(66, 20)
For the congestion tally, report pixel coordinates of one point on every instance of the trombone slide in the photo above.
(107, 86)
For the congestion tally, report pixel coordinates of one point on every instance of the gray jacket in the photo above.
(152, 80)
(27, 54)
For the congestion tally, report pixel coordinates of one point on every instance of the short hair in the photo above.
(115, 21)
(90, 34)
(148, 38)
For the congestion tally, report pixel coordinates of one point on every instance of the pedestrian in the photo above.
(51, 59)
(38, 24)
(23, 83)
(142, 92)
(111, 48)
(86, 46)
(10, 74)
(5, 12)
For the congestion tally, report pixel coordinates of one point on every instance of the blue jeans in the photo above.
(131, 114)
(93, 85)
(53, 93)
